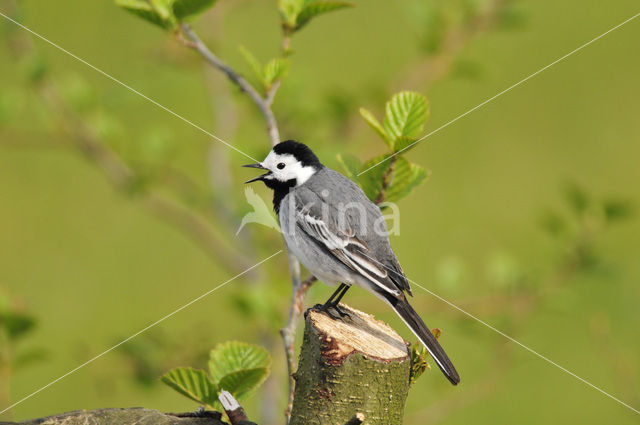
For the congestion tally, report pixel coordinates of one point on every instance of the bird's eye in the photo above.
(280, 166)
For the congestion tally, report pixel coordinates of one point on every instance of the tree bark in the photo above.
(136, 415)
(349, 366)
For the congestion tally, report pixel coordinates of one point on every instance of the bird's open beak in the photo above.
(258, 165)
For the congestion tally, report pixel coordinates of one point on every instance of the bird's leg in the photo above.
(333, 303)
(341, 312)
(330, 301)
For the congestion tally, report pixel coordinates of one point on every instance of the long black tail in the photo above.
(415, 323)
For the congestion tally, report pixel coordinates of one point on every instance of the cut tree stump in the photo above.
(349, 366)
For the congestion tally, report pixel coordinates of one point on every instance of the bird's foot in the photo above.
(327, 307)
(341, 312)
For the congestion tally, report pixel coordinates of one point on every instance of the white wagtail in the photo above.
(340, 236)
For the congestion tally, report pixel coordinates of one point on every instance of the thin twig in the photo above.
(289, 331)
(235, 412)
(387, 179)
(264, 104)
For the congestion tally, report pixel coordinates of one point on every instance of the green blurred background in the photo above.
(485, 231)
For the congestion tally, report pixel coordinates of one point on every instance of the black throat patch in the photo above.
(280, 190)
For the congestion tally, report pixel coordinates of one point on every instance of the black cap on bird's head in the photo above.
(289, 163)
(300, 151)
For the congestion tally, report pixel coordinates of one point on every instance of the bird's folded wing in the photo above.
(345, 247)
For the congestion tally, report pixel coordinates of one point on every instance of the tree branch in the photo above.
(430, 69)
(298, 291)
(193, 224)
(387, 179)
(263, 103)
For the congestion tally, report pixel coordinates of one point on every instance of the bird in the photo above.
(339, 235)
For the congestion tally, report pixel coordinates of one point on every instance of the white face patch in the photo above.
(285, 167)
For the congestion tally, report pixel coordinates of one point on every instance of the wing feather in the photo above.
(345, 248)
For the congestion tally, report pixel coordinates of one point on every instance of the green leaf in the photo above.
(371, 181)
(289, 11)
(16, 325)
(405, 115)
(244, 382)
(375, 124)
(158, 12)
(404, 143)
(254, 64)
(617, 210)
(270, 73)
(314, 8)
(577, 198)
(419, 355)
(194, 384)
(406, 176)
(184, 8)
(351, 166)
(239, 367)
(419, 362)
(164, 7)
(274, 70)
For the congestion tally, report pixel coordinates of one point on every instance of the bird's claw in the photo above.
(326, 308)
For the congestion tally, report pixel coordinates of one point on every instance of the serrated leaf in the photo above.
(158, 12)
(184, 8)
(254, 64)
(371, 181)
(274, 70)
(243, 382)
(239, 367)
(405, 115)
(351, 166)
(314, 8)
(406, 176)
(194, 384)
(404, 144)
(375, 124)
